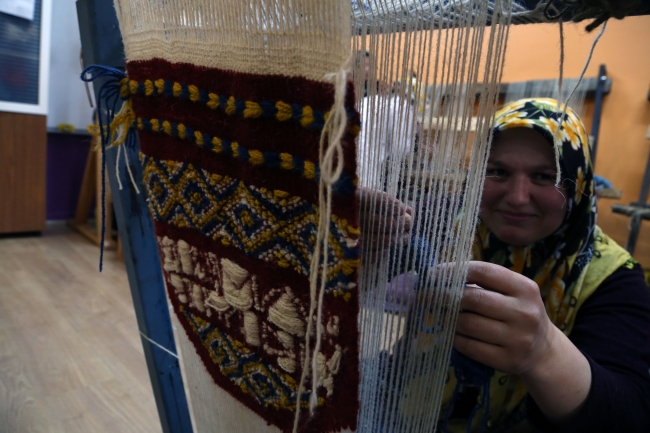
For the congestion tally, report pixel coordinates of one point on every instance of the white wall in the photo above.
(67, 101)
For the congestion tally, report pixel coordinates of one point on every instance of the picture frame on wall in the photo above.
(25, 59)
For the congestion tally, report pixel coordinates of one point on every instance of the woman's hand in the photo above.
(385, 221)
(503, 324)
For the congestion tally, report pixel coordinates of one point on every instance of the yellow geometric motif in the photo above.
(266, 224)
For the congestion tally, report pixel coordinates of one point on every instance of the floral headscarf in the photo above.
(558, 262)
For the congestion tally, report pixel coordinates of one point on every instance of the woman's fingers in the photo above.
(501, 280)
(482, 328)
(486, 303)
(491, 276)
(373, 201)
(504, 323)
(477, 350)
(385, 221)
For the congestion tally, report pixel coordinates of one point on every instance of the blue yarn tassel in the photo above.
(108, 97)
(470, 373)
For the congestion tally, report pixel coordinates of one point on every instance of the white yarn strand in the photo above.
(556, 150)
(161, 347)
(334, 129)
(117, 167)
(333, 132)
(129, 171)
(566, 103)
(123, 131)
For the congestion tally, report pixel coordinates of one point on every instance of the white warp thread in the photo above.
(159, 346)
(566, 103)
(556, 149)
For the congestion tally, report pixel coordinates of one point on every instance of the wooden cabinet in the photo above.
(23, 140)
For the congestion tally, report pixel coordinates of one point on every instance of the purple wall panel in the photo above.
(66, 161)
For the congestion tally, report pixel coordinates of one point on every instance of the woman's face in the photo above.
(520, 203)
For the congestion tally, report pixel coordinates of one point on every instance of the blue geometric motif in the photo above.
(268, 225)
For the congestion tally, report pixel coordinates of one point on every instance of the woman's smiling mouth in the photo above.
(515, 217)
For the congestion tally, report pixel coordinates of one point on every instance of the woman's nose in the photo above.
(518, 191)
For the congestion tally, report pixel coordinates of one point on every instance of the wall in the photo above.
(533, 53)
(66, 161)
(68, 102)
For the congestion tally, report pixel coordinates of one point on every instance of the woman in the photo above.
(559, 309)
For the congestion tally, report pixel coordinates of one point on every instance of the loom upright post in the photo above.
(102, 44)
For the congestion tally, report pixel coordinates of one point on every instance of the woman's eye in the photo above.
(496, 172)
(544, 177)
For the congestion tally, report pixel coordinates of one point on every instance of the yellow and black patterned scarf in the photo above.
(558, 262)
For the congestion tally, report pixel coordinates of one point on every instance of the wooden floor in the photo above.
(71, 358)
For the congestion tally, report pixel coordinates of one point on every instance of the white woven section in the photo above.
(298, 38)
(213, 409)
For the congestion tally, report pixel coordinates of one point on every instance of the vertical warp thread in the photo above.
(455, 69)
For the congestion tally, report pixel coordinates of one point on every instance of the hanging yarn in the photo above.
(566, 103)
(114, 129)
(470, 373)
(107, 101)
(600, 10)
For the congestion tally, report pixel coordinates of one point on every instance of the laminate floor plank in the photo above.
(71, 357)
(18, 402)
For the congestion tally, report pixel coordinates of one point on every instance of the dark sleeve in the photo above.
(612, 329)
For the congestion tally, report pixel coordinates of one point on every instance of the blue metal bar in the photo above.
(138, 240)
(101, 43)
